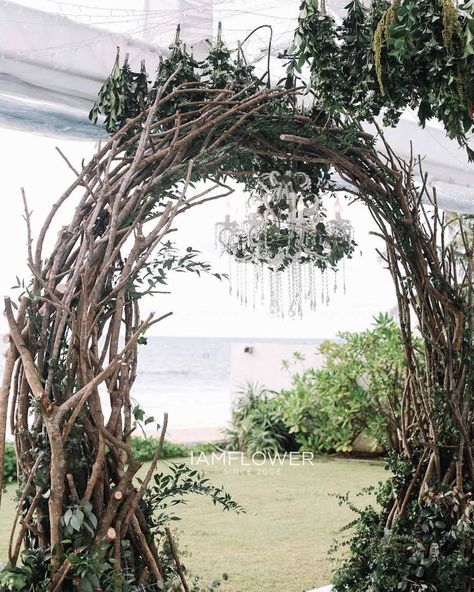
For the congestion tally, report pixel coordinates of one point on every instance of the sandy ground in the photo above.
(195, 435)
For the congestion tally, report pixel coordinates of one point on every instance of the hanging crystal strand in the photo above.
(256, 279)
(322, 286)
(315, 289)
(335, 280)
(293, 303)
(262, 282)
(273, 295)
(313, 300)
(246, 283)
(281, 308)
(299, 292)
(308, 286)
(344, 275)
(304, 284)
(291, 278)
(237, 278)
(327, 288)
(237, 282)
(290, 291)
(231, 277)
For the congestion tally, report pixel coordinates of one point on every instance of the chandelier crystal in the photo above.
(282, 251)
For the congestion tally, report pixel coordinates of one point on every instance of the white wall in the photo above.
(263, 363)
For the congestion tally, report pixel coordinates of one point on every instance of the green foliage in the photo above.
(144, 449)
(9, 464)
(414, 54)
(172, 488)
(356, 391)
(321, 248)
(222, 67)
(257, 425)
(122, 95)
(167, 259)
(93, 570)
(78, 517)
(31, 575)
(218, 65)
(111, 99)
(92, 567)
(426, 551)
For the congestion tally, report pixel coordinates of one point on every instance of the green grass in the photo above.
(281, 543)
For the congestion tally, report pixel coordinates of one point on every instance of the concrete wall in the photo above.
(262, 363)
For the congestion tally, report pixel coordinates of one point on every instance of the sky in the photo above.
(200, 306)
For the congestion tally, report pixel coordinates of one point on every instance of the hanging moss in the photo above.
(381, 34)
(451, 23)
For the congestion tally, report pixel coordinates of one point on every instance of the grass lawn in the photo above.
(281, 544)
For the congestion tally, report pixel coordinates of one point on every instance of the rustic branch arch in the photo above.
(66, 336)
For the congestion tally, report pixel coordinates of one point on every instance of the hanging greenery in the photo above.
(111, 98)
(410, 54)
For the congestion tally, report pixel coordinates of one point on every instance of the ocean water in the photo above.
(187, 377)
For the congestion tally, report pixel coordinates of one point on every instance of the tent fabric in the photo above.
(195, 18)
(443, 159)
(52, 67)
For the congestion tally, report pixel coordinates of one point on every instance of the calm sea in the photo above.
(187, 377)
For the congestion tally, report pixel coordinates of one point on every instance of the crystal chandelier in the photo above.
(281, 253)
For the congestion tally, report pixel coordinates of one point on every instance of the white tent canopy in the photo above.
(51, 69)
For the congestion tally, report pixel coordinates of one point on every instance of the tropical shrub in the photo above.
(144, 449)
(356, 392)
(257, 425)
(9, 464)
(324, 418)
